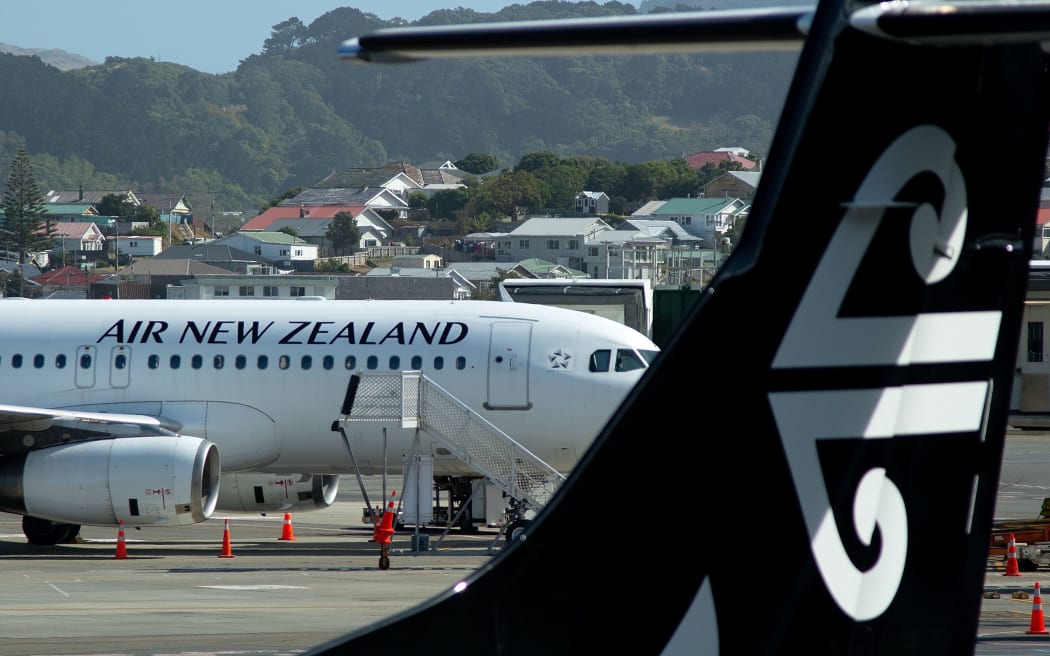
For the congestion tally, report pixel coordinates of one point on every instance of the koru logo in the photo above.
(818, 337)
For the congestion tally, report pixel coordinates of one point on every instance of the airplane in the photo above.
(838, 478)
(158, 412)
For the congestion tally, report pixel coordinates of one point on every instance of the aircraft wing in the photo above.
(745, 30)
(27, 428)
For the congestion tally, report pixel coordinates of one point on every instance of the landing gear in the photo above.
(47, 533)
(516, 529)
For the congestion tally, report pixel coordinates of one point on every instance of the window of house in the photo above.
(221, 290)
(297, 291)
(258, 250)
(283, 252)
(592, 251)
(523, 243)
(1035, 341)
(247, 290)
(298, 252)
(270, 290)
(553, 245)
(574, 244)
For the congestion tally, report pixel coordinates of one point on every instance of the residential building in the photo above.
(416, 261)
(592, 202)
(223, 257)
(626, 254)
(536, 268)
(558, 240)
(287, 252)
(707, 218)
(80, 243)
(733, 184)
(139, 245)
(254, 287)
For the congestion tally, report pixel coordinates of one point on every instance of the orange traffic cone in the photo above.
(1038, 625)
(122, 549)
(385, 528)
(1011, 559)
(227, 552)
(286, 532)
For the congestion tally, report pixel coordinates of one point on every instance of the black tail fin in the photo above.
(865, 333)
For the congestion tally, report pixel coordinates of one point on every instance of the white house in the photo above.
(592, 202)
(286, 251)
(558, 240)
(139, 245)
(626, 254)
(707, 218)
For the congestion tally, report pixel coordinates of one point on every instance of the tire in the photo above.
(44, 532)
(516, 529)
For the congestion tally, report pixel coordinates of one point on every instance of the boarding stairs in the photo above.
(412, 400)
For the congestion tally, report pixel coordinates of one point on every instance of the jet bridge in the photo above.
(411, 400)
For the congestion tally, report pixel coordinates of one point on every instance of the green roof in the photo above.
(693, 206)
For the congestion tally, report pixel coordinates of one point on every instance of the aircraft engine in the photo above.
(254, 492)
(150, 480)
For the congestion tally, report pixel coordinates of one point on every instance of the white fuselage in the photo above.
(265, 379)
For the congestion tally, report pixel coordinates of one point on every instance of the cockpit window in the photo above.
(600, 360)
(649, 356)
(627, 360)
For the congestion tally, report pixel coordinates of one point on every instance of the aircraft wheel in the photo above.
(517, 529)
(47, 533)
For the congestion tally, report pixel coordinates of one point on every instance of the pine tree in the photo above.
(24, 227)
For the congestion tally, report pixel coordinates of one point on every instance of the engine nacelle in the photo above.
(150, 480)
(254, 492)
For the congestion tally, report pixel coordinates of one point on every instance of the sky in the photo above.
(212, 36)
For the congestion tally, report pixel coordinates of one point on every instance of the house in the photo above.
(592, 202)
(719, 157)
(222, 256)
(536, 268)
(417, 261)
(286, 251)
(262, 287)
(626, 254)
(138, 245)
(398, 177)
(558, 240)
(79, 243)
(707, 218)
(733, 184)
(66, 278)
(172, 208)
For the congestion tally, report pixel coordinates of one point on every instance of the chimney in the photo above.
(302, 211)
(80, 195)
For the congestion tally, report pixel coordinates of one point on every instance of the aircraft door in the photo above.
(84, 367)
(120, 366)
(508, 375)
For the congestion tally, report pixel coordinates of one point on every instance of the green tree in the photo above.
(25, 228)
(116, 205)
(289, 230)
(444, 204)
(343, 232)
(477, 163)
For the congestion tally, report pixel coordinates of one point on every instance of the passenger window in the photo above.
(60, 361)
(240, 362)
(328, 362)
(263, 362)
(120, 361)
(351, 362)
(306, 362)
(16, 360)
(627, 360)
(85, 361)
(417, 362)
(461, 362)
(197, 361)
(395, 363)
(439, 362)
(38, 360)
(175, 362)
(373, 362)
(153, 361)
(600, 360)
(283, 362)
(218, 361)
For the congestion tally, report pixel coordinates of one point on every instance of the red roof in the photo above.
(1042, 217)
(264, 220)
(67, 276)
(697, 161)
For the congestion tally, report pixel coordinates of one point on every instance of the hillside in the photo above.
(295, 113)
